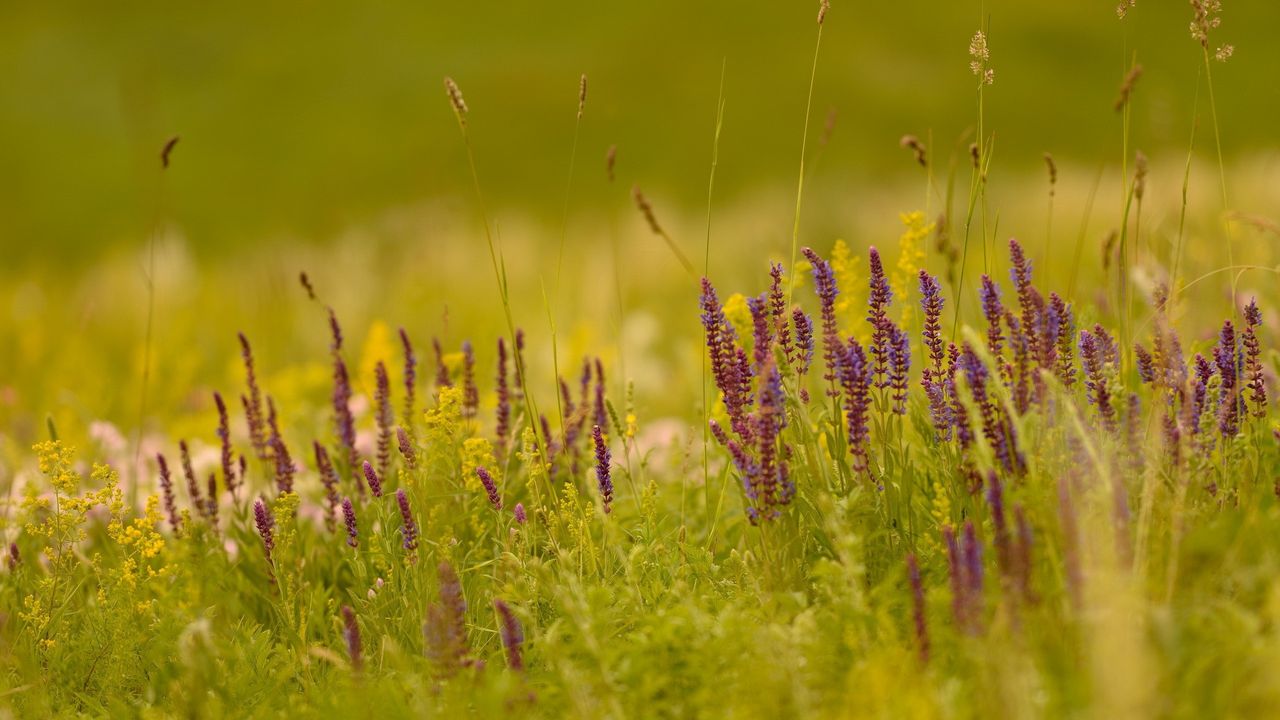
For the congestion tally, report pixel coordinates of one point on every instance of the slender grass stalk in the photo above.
(1222, 173)
(804, 144)
(1186, 184)
(706, 272)
(499, 264)
(1084, 231)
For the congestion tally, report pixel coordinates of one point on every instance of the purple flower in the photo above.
(224, 439)
(778, 310)
(995, 498)
(519, 363)
(406, 448)
(803, 356)
(490, 487)
(1255, 381)
(384, 415)
(824, 281)
(1226, 357)
(279, 452)
(193, 486)
(253, 401)
(351, 632)
(878, 301)
(519, 513)
(512, 635)
(899, 367)
(1093, 358)
(856, 379)
(603, 479)
(266, 523)
(446, 628)
(1146, 364)
(1019, 370)
(409, 528)
(329, 478)
(762, 332)
(410, 377)
(349, 518)
(727, 370)
(972, 551)
(502, 415)
(917, 607)
(598, 409)
(470, 394)
(371, 476)
(931, 302)
(993, 311)
(166, 491)
(442, 371)
(1065, 368)
(343, 421)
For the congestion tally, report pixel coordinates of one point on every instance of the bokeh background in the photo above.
(316, 136)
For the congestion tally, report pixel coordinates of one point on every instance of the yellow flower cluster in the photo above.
(910, 257)
(851, 302)
(738, 315)
(476, 452)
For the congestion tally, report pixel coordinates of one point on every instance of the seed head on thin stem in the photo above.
(455, 99)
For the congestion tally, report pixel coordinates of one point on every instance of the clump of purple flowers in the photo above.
(604, 480)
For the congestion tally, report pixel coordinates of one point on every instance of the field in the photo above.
(656, 361)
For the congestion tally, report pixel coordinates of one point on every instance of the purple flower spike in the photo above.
(1254, 379)
(856, 379)
(410, 377)
(502, 415)
(410, 528)
(351, 632)
(266, 523)
(407, 451)
(824, 282)
(931, 302)
(442, 371)
(384, 416)
(603, 477)
(993, 311)
(371, 477)
(224, 439)
(512, 635)
(253, 402)
(878, 301)
(349, 518)
(490, 487)
(166, 490)
(899, 367)
(328, 478)
(519, 513)
(917, 607)
(778, 310)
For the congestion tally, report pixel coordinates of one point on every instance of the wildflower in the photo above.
(502, 415)
(726, 369)
(384, 415)
(972, 551)
(917, 607)
(899, 367)
(931, 303)
(1065, 367)
(519, 513)
(470, 394)
(253, 401)
(993, 311)
(266, 523)
(343, 422)
(912, 143)
(490, 487)
(349, 519)
(166, 489)
(910, 256)
(442, 371)
(1070, 543)
(881, 296)
(1094, 359)
(1254, 379)
(598, 409)
(193, 486)
(512, 635)
(279, 452)
(603, 479)
(211, 501)
(445, 630)
(856, 378)
(1225, 357)
(410, 377)
(351, 632)
(1146, 365)
(519, 363)
(406, 447)
(410, 528)
(370, 476)
(762, 333)
(825, 285)
(778, 310)
(15, 557)
(804, 341)
(224, 438)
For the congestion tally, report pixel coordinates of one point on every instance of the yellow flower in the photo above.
(911, 255)
(852, 299)
(476, 452)
(55, 461)
(378, 346)
(738, 314)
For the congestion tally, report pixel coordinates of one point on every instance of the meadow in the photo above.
(972, 415)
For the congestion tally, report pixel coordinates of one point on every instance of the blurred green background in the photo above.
(299, 120)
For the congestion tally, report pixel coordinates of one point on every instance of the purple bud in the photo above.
(512, 635)
(603, 478)
(349, 517)
(351, 632)
(490, 487)
(521, 517)
(371, 477)
(410, 528)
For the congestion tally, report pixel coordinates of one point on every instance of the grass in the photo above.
(841, 508)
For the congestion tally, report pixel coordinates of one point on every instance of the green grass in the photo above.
(1127, 570)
